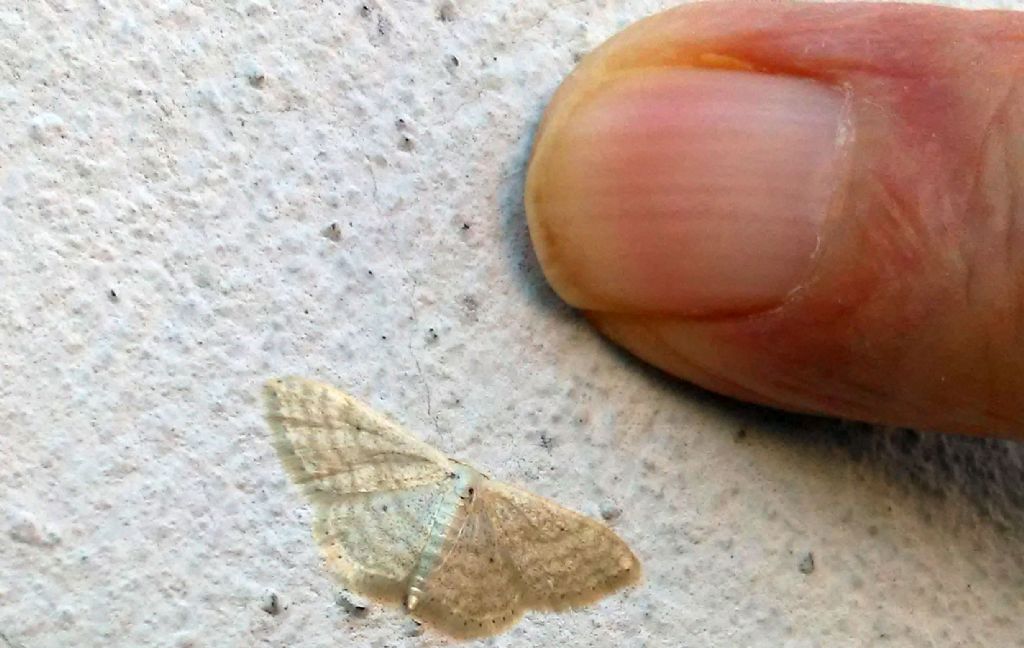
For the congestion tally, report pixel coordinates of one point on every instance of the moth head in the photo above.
(466, 482)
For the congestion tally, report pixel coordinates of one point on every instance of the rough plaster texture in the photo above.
(169, 175)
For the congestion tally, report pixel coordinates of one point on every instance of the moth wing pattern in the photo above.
(564, 559)
(332, 444)
(372, 542)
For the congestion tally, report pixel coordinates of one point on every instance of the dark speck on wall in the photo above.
(446, 11)
(609, 511)
(332, 232)
(546, 441)
(353, 609)
(271, 604)
(807, 564)
(256, 79)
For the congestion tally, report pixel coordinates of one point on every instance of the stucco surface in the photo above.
(196, 196)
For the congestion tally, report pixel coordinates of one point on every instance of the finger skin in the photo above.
(914, 313)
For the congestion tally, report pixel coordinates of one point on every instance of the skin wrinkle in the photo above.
(855, 398)
(995, 190)
(852, 395)
(1013, 243)
(988, 189)
(680, 364)
(844, 391)
(896, 237)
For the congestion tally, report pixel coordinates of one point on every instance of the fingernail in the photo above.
(686, 191)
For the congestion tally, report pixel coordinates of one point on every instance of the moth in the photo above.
(400, 523)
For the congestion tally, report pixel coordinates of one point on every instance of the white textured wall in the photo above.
(167, 172)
